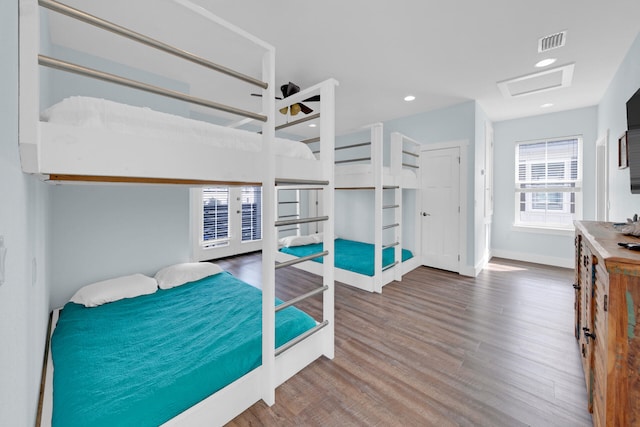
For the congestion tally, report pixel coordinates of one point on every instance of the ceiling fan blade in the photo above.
(305, 109)
(315, 98)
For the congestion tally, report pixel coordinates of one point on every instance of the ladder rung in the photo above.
(283, 181)
(390, 206)
(311, 140)
(390, 187)
(303, 297)
(337, 162)
(301, 337)
(410, 153)
(390, 226)
(389, 266)
(407, 165)
(301, 220)
(295, 122)
(288, 203)
(344, 147)
(282, 230)
(390, 245)
(301, 259)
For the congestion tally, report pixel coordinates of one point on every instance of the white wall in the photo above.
(508, 242)
(612, 120)
(101, 231)
(23, 212)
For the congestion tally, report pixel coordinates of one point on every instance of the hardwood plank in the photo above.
(437, 349)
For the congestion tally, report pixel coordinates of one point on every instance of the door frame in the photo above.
(463, 146)
(602, 177)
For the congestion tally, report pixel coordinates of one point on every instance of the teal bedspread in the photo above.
(143, 360)
(350, 255)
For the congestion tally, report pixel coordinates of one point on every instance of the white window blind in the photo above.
(251, 213)
(215, 218)
(548, 183)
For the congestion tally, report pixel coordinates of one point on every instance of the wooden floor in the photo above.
(437, 349)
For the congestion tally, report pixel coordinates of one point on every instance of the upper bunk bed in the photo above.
(66, 134)
(94, 49)
(362, 164)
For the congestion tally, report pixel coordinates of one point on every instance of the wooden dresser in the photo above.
(607, 308)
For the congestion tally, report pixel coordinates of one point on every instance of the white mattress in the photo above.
(141, 121)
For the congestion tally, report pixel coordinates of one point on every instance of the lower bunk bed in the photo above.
(353, 261)
(185, 355)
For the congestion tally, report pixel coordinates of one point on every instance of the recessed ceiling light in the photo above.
(545, 62)
(312, 125)
(547, 105)
(409, 98)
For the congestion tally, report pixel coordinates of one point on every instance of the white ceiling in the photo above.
(443, 52)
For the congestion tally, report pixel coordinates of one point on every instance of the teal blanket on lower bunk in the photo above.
(350, 255)
(141, 361)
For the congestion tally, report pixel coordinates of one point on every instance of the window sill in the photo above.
(543, 230)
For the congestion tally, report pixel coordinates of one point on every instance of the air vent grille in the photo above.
(552, 41)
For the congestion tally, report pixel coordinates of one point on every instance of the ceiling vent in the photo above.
(554, 78)
(552, 41)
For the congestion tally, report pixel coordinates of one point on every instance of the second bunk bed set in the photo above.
(372, 264)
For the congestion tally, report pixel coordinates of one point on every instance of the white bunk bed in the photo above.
(68, 152)
(402, 173)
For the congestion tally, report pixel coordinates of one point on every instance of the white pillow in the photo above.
(115, 289)
(297, 241)
(318, 237)
(179, 274)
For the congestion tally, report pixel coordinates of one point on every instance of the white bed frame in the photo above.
(375, 176)
(63, 153)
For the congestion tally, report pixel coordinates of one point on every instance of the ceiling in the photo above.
(442, 52)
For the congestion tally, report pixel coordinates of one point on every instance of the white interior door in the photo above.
(440, 208)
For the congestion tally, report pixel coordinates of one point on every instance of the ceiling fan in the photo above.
(288, 90)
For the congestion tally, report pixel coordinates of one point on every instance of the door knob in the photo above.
(425, 214)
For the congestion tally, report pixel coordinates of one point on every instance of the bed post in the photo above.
(397, 140)
(376, 156)
(327, 156)
(269, 237)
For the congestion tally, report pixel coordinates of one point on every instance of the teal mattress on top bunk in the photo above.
(350, 255)
(141, 361)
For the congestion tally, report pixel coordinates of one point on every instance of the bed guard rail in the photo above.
(140, 38)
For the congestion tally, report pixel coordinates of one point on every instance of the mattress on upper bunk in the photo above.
(141, 361)
(350, 255)
(100, 113)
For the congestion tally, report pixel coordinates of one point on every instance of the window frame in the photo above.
(571, 198)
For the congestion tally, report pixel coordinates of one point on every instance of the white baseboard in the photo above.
(535, 258)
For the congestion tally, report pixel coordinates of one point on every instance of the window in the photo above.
(215, 216)
(220, 227)
(251, 213)
(548, 183)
